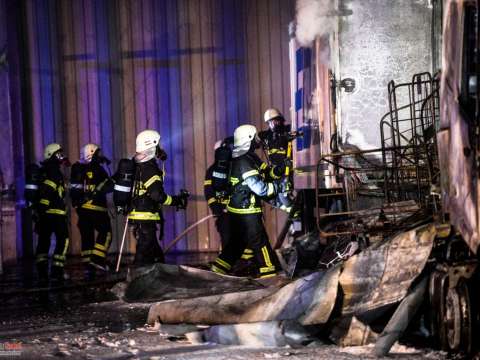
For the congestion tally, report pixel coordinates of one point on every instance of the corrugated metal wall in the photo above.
(101, 71)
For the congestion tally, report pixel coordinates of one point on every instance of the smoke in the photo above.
(316, 18)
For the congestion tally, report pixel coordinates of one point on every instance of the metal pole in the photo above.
(121, 245)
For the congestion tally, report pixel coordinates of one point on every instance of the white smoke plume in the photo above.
(315, 18)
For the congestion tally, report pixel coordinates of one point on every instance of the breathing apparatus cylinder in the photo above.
(123, 178)
(77, 184)
(33, 178)
(221, 171)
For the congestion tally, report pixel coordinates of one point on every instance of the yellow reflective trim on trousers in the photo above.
(168, 200)
(267, 269)
(45, 202)
(277, 151)
(271, 189)
(151, 181)
(248, 251)
(246, 257)
(88, 205)
(100, 247)
(60, 191)
(98, 253)
(107, 242)
(223, 263)
(266, 257)
(67, 241)
(207, 182)
(267, 276)
(143, 215)
(244, 211)
(57, 263)
(211, 200)
(86, 252)
(41, 257)
(249, 173)
(56, 212)
(286, 209)
(50, 183)
(59, 257)
(217, 270)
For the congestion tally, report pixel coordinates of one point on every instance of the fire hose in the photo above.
(169, 246)
(186, 231)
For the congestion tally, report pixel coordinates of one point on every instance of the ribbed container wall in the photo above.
(102, 70)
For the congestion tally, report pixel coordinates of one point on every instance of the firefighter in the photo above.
(216, 189)
(52, 216)
(244, 207)
(89, 187)
(148, 197)
(277, 140)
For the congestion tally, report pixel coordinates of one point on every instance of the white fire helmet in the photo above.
(86, 153)
(243, 135)
(51, 149)
(271, 114)
(147, 139)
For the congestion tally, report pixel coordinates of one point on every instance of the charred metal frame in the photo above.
(408, 139)
(404, 169)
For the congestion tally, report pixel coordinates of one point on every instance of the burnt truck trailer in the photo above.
(381, 156)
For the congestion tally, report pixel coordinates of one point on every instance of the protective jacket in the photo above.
(52, 190)
(277, 143)
(148, 193)
(248, 184)
(215, 203)
(97, 185)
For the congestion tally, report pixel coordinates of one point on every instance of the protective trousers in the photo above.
(249, 233)
(89, 221)
(47, 225)
(222, 223)
(148, 245)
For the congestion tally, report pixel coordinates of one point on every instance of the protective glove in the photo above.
(285, 186)
(180, 201)
(217, 208)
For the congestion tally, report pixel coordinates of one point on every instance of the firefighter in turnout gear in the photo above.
(215, 189)
(89, 186)
(148, 197)
(278, 142)
(244, 208)
(52, 215)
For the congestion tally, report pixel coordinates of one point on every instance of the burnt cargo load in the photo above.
(380, 157)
